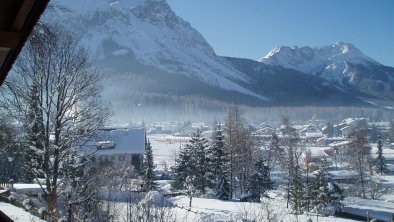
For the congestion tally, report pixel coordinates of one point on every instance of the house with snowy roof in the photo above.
(315, 155)
(117, 147)
(343, 176)
(266, 130)
(341, 150)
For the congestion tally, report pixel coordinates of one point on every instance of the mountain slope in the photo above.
(144, 50)
(151, 32)
(288, 86)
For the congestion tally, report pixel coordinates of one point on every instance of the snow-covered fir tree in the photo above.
(381, 163)
(194, 161)
(183, 167)
(223, 188)
(148, 170)
(297, 194)
(200, 152)
(219, 162)
(259, 181)
(35, 131)
(10, 153)
(275, 152)
(322, 191)
(337, 196)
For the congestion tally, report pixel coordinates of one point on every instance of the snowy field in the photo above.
(165, 147)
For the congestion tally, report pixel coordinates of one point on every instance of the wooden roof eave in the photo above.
(17, 20)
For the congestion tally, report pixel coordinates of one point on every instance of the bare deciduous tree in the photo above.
(56, 97)
(292, 150)
(243, 150)
(360, 157)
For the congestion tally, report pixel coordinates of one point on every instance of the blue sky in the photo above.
(251, 28)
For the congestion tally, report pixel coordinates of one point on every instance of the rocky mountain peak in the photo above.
(330, 62)
(157, 12)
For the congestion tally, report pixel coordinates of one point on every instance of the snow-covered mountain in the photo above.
(330, 62)
(340, 63)
(148, 54)
(149, 32)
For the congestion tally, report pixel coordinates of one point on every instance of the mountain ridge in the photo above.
(146, 42)
(340, 63)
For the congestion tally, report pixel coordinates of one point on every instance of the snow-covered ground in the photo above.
(231, 211)
(206, 209)
(210, 209)
(165, 148)
(18, 214)
(381, 210)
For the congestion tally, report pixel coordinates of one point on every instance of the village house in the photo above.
(266, 130)
(340, 151)
(308, 129)
(311, 138)
(343, 176)
(346, 131)
(117, 147)
(315, 156)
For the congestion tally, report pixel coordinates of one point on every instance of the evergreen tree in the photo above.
(8, 152)
(220, 164)
(193, 161)
(336, 196)
(148, 171)
(291, 152)
(223, 189)
(322, 193)
(380, 160)
(259, 181)
(297, 197)
(275, 151)
(374, 134)
(320, 189)
(12, 153)
(35, 132)
(183, 168)
(200, 152)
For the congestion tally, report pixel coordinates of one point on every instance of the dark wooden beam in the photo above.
(22, 15)
(9, 39)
